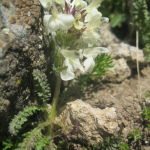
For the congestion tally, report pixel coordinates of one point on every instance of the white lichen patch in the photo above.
(6, 30)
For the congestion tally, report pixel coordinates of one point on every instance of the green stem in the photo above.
(55, 99)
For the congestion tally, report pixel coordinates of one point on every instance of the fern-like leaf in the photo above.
(41, 87)
(21, 118)
(34, 137)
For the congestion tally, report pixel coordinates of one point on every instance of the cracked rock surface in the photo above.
(94, 124)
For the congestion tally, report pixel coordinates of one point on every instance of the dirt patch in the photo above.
(124, 97)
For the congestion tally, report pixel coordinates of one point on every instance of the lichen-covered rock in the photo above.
(94, 123)
(21, 51)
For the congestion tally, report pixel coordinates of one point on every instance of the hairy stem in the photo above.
(53, 110)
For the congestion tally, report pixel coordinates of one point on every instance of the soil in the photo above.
(127, 97)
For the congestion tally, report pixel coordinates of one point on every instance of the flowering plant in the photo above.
(74, 28)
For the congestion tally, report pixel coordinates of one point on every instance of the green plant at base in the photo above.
(147, 94)
(17, 122)
(124, 146)
(41, 86)
(109, 143)
(136, 135)
(146, 114)
(35, 136)
(8, 144)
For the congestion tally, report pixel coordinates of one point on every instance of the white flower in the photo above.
(57, 21)
(89, 63)
(72, 62)
(79, 4)
(94, 19)
(68, 73)
(94, 4)
(90, 36)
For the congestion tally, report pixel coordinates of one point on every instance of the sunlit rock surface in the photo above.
(94, 123)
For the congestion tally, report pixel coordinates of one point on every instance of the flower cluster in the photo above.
(74, 28)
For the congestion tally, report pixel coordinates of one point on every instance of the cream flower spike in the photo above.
(57, 21)
(90, 36)
(74, 58)
(79, 4)
(94, 19)
(67, 74)
(72, 63)
(93, 4)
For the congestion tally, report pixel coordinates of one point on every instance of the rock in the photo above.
(119, 72)
(94, 123)
(123, 50)
(106, 36)
(21, 51)
(146, 148)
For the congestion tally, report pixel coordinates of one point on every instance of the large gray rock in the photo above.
(94, 123)
(21, 50)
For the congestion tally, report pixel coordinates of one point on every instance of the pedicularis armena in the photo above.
(73, 27)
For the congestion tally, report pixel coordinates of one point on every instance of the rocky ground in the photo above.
(23, 47)
(120, 89)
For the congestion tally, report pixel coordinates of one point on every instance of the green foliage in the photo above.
(147, 46)
(110, 143)
(35, 138)
(8, 144)
(136, 135)
(121, 11)
(41, 86)
(141, 22)
(117, 19)
(146, 114)
(140, 15)
(147, 94)
(148, 127)
(102, 62)
(124, 146)
(118, 11)
(16, 123)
